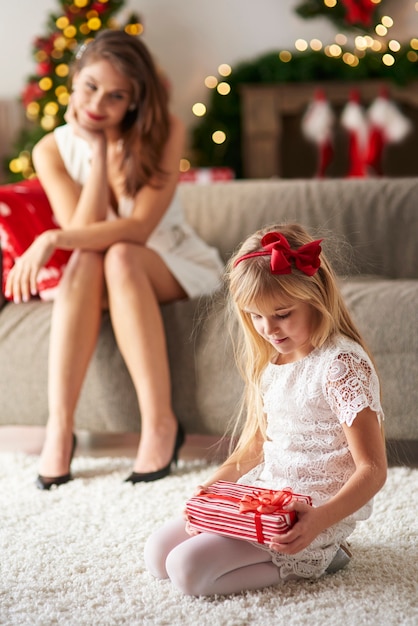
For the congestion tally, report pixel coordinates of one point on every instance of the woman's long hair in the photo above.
(146, 127)
(250, 283)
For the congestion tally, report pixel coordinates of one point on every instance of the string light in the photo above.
(184, 165)
(316, 45)
(211, 82)
(388, 59)
(218, 136)
(301, 45)
(199, 109)
(285, 56)
(224, 69)
(223, 88)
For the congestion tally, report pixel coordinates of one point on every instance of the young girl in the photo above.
(111, 174)
(313, 423)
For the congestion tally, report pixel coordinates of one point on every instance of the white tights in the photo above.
(207, 564)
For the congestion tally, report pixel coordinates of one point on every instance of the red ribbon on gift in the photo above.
(264, 501)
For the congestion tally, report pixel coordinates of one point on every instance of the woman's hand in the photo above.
(309, 525)
(21, 281)
(93, 137)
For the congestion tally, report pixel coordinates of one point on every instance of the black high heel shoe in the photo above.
(147, 477)
(46, 482)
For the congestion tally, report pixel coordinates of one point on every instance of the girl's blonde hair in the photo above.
(251, 282)
(146, 125)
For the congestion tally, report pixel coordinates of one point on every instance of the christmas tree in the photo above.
(46, 94)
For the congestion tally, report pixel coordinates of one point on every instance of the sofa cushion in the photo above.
(385, 313)
(24, 214)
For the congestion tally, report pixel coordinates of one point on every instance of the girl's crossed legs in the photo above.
(207, 564)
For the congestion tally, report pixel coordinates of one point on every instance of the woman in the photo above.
(111, 174)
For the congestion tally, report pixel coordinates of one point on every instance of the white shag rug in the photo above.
(73, 556)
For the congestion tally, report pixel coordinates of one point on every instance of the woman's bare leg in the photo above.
(137, 281)
(75, 326)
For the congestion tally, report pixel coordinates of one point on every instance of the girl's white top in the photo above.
(196, 265)
(306, 403)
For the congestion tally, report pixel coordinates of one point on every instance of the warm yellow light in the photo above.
(62, 70)
(199, 109)
(61, 89)
(32, 110)
(315, 44)
(134, 29)
(40, 55)
(70, 32)
(81, 3)
(211, 82)
(381, 30)
(369, 41)
(84, 29)
(414, 43)
(184, 165)
(376, 46)
(412, 56)
(301, 45)
(45, 83)
(224, 69)
(285, 56)
(62, 22)
(341, 39)
(64, 98)
(394, 45)
(15, 166)
(60, 43)
(223, 89)
(334, 50)
(218, 136)
(350, 59)
(48, 122)
(360, 43)
(51, 108)
(388, 59)
(330, 3)
(387, 21)
(95, 23)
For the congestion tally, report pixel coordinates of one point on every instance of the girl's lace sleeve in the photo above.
(351, 385)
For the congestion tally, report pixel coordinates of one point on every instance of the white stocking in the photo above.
(207, 564)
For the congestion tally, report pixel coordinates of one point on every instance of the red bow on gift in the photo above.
(306, 258)
(265, 501)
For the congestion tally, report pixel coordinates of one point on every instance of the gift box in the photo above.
(243, 511)
(206, 175)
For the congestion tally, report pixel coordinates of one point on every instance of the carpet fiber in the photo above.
(73, 556)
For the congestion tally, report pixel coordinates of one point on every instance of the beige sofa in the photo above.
(374, 224)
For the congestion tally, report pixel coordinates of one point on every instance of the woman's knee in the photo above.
(83, 268)
(120, 260)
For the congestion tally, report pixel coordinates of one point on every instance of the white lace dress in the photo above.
(306, 403)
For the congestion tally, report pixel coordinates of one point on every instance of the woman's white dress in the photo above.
(196, 265)
(306, 403)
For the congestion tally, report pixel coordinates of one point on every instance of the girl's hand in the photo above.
(21, 280)
(308, 526)
(192, 531)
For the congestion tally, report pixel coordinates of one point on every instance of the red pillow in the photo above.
(25, 213)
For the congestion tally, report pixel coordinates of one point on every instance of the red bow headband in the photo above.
(306, 258)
